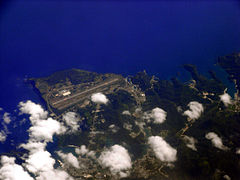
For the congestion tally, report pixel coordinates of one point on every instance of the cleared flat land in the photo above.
(79, 96)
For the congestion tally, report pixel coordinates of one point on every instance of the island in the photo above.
(141, 109)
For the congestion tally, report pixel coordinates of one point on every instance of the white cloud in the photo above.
(195, 111)
(99, 98)
(34, 146)
(43, 130)
(84, 151)
(123, 174)
(3, 136)
(41, 164)
(11, 171)
(216, 140)
(162, 149)
(157, 114)
(35, 110)
(138, 110)
(113, 128)
(227, 177)
(117, 160)
(238, 151)
(54, 174)
(179, 109)
(140, 124)
(126, 113)
(39, 161)
(127, 126)
(190, 142)
(226, 99)
(91, 154)
(3, 133)
(6, 118)
(69, 158)
(72, 120)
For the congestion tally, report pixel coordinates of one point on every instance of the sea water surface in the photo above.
(38, 38)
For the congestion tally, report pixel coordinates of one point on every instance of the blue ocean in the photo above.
(38, 38)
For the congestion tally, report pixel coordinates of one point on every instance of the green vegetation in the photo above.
(112, 127)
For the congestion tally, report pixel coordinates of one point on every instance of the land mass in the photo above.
(124, 120)
(65, 90)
